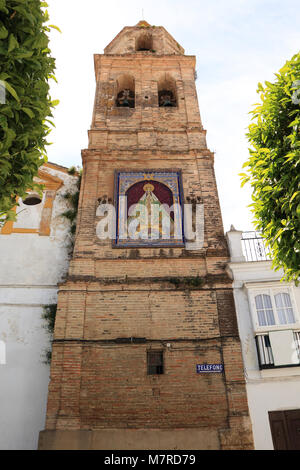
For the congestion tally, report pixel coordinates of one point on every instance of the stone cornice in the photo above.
(254, 271)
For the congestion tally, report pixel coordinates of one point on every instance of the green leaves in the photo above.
(3, 32)
(54, 27)
(28, 112)
(26, 66)
(273, 166)
(12, 43)
(3, 6)
(11, 90)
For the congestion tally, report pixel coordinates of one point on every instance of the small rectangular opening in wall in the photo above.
(155, 362)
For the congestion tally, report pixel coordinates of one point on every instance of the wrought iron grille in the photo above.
(264, 351)
(297, 342)
(155, 362)
(254, 248)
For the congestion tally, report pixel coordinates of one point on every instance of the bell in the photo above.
(125, 102)
(32, 199)
(167, 102)
(166, 99)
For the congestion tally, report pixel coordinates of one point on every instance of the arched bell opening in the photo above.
(167, 95)
(125, 92)
(144, 42)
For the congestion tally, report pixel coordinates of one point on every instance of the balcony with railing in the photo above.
(254, 248)
(247, 246)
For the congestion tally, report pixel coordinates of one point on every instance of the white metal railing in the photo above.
(254, 248)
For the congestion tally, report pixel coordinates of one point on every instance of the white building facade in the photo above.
(34, 253)
(268, 313)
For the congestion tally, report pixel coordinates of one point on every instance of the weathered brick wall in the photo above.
(96, 381)
(197, 179)
(172, 399)
(162, 41)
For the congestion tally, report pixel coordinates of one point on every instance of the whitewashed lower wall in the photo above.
(25, 376)
(30, 268)
(275, 395)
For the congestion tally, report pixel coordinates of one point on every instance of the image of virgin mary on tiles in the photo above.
(149, 210)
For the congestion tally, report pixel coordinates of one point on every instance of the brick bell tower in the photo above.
(141, 321)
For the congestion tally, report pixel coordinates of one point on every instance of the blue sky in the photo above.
(237, 43)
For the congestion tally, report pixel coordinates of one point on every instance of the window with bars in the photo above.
(276, 324)
(155, 362)
(264, 351)
(268, 354)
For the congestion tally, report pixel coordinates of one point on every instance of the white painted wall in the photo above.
(267, 390)
(31, 266)
(271, 394)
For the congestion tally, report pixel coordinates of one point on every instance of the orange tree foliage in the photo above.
(273, 167)
(26, 66)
